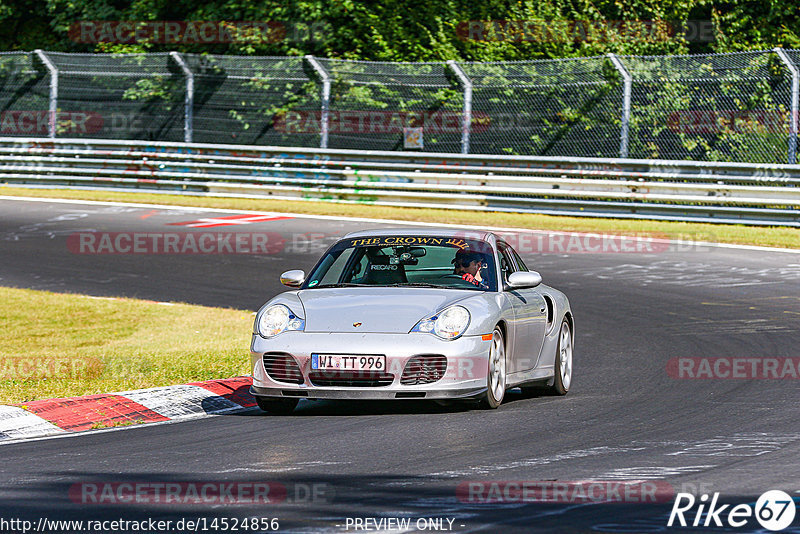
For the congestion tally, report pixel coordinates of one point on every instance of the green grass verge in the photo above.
(63, 345)
(745, 235)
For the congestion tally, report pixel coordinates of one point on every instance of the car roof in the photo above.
(480, 235)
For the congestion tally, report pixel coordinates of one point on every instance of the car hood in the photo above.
(376, 310)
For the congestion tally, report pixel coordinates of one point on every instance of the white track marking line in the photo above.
(391, 221)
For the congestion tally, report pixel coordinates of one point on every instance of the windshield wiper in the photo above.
(437, 286)
(346, 284)
(413, 284)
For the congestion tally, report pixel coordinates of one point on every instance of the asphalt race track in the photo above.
(625, 419)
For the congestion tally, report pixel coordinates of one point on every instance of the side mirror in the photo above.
(524, 280)
(293, 278)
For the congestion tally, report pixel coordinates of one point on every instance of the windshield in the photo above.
(407, 261)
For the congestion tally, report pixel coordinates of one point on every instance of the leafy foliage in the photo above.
(419, 30)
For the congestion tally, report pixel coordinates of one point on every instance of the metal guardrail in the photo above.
(642, 189)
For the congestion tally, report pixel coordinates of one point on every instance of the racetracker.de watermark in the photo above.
(459, 369)
(733, 368)
(176, 243)
(51, 367)
(145, 525)
(602, 243)
(201, 492)
(195, 31)
(700, 121)
(382, 121)
(39, 122)
(580, 31)
(73, 123)
(546, 491)
(218, 242)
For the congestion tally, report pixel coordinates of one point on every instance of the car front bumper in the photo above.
(465, 375)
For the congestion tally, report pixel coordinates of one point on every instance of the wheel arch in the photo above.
(503, 329)
(571, 323)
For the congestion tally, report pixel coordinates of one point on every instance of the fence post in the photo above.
(53, 108)
(466, 118)
(795, 104)
(326, 98)
(188, 113)
(626, 104)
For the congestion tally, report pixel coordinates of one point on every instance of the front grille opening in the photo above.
(365, 379)
(287, 393)
(424, 369)
(409, 395)
(282, 367)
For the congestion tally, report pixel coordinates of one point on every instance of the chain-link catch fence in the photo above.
(720, 107)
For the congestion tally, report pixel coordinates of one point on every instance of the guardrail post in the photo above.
(326, 98)
(188, 114)
(626, 104)
(466, 119)
(53, 108)
(795, 104)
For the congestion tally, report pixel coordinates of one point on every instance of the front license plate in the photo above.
(348, 362)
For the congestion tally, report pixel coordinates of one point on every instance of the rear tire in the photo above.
(277, 406)
(562, 367)
(496, 372)
(563, 362)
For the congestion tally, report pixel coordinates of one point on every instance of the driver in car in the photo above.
(468, 267)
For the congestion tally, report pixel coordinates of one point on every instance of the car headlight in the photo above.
(449, 324)
(276, 319)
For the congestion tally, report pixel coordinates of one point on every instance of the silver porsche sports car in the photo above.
(412, 314)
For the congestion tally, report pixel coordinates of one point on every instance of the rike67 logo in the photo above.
(774, 510)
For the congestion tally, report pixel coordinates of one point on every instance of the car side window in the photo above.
(335, 266)
(520, 264)
(506, 262)
(358, 269)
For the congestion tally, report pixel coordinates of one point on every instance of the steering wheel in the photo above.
(458, 277)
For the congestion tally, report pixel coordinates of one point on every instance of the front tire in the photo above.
(277, 406)
(496, 375)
